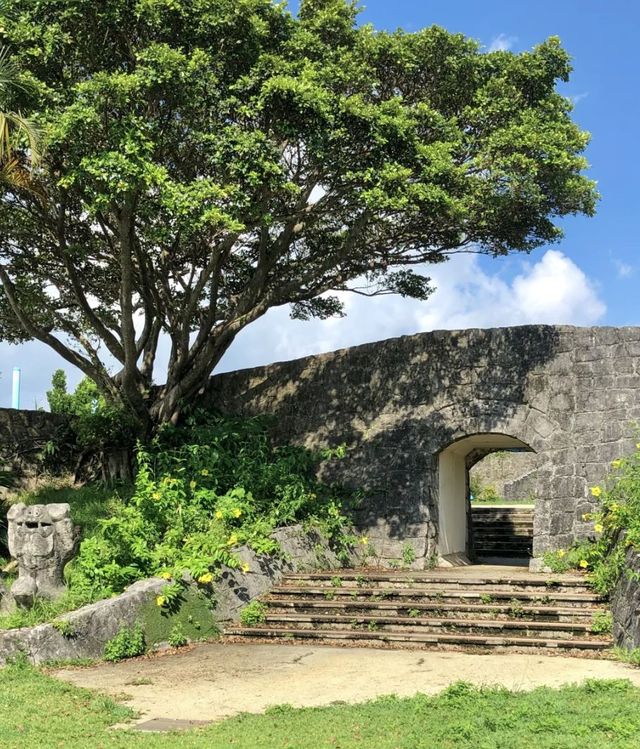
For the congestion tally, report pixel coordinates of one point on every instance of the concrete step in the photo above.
(487, 607)
(501, 526)
(426, 580)
(419, 638)
(436, 609)
(445, 595)
(502, 529)
(492, 540)
(502, 517)
(556, 630)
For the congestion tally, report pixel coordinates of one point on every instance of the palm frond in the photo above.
(13, 126)
(9, 72)
(15, 176)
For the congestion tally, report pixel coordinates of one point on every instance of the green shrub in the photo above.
(408, 554)
(564, 560)
(65, 627)
(253, 613)
(602, 622)
(94, 424)
(177, 637)
(128, 643)
(202, 489)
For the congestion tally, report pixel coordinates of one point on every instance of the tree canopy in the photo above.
(207, 161)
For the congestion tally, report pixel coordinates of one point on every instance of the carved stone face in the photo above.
(41, 538)
(34, 531)
(40, 531)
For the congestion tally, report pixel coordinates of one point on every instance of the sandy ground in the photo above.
(213, 681)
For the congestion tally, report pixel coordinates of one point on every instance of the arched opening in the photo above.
(455, 530)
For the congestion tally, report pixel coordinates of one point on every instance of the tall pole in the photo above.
(15, 392)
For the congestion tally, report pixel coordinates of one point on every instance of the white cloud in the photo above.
(552, 290)
(576, 98)
(502, 43)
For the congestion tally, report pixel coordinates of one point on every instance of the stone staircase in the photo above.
(473, 607)
(502, 532)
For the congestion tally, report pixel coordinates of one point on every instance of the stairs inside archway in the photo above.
(501, 531)
(470, 607)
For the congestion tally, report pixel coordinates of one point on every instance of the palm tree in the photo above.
(16, 131)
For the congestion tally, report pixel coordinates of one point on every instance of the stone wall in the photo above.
(23, 436)
(570, 394)
(625, 604)
(512, 474)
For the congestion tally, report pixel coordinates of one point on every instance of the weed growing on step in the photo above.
(408, 554)
(486, 598)
(516, 610)
(253, 614)
(602, 622)
(336, 582)
(414, 613)
(373, 626)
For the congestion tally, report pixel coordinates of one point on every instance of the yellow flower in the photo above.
(237, 512)
(219, 515)
(637, 445)
(156, 496)
(598, 527)
(233, 540)
(193, 485)
(616, 463)
(244, 567)
(364, 540)
(586, 516)
(165, 575)
(561, 553)
(161, 600)
(206, 578)
(204, 472)
(596, 491)
(584, 563)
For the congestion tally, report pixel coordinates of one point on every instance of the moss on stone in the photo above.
(194, 613)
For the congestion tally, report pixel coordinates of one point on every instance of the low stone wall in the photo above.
(511, 474)
(83, 633)
(24, 434)
(625, 605)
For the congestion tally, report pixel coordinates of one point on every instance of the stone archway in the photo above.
(453, 506)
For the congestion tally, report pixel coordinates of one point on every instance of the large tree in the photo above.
(207, 161)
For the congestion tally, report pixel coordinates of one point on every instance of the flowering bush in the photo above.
(200, 490)
(616, 527)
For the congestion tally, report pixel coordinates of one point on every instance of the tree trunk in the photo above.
(116, 466)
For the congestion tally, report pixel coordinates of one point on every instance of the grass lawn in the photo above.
(39, 711)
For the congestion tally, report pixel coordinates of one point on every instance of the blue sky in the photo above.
(591, 277)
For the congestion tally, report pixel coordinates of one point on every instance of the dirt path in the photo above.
(214, 681)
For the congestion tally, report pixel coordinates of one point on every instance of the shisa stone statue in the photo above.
(42, 540)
